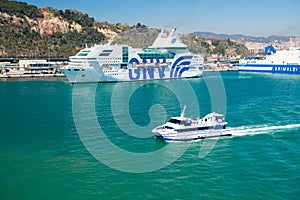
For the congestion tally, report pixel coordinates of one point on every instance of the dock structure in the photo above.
(31, 68)
(30, 75)
(221, 69)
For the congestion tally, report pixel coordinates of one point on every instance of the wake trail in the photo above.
(260, 129)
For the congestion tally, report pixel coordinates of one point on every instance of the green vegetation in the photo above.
(19, 9)
(75, 16)
(139, 37)
(196, 45)
(20, 41)
(229, 48)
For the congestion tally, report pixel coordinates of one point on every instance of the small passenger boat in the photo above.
(187, 129)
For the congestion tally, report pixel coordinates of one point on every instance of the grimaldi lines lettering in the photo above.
(292, 69)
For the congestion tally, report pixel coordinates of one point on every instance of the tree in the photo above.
(138, 25)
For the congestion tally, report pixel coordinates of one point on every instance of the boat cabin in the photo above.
(213, 117)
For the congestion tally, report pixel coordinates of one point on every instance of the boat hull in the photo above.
(191, 136)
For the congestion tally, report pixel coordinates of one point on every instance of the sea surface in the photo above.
(89, 141)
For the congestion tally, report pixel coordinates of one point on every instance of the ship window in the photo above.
(125, 54)
(104, 54)
(82, 54)
(157, 55)
(107, 50)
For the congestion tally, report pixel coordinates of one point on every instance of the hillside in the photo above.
(268, 39)
(144, 36)
(30, 32)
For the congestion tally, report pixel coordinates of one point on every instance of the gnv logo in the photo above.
(147, 73)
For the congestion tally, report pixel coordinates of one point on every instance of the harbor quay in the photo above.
(28, 68)
(16, 68)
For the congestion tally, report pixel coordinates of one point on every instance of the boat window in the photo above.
(205, 127)
(187, 129)
(168, 127)
(174, 121)
(220, 118)
(186, 123)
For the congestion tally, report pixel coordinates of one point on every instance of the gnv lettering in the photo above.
(144, 73)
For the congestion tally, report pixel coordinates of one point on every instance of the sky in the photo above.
(248, 17)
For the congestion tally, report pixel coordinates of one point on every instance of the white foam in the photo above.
(260, 129)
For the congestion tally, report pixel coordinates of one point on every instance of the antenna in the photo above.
(183, 110)
(110, 40)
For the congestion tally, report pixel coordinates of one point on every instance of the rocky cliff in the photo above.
(28, 31)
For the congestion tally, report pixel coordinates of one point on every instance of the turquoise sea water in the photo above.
(51, 144)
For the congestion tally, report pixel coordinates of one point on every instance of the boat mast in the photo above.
(182, 113)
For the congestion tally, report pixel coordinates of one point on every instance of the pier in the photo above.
(27, 68)
(30, 75)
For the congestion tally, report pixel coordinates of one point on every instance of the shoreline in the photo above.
(62, 75)
(221, 70)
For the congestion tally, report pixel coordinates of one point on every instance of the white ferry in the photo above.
(188, 129)
(283, 61)
(167, 58)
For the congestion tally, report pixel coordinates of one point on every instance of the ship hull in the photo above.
(270, 68)
(91, 75)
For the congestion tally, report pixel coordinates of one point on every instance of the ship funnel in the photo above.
(269, 50)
